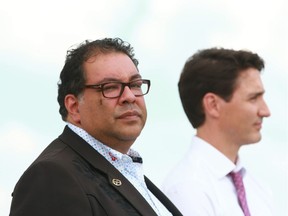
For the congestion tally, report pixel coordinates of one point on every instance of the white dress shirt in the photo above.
(133, 171)
(200, 186)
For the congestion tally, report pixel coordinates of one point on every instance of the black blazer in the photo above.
(70, 178)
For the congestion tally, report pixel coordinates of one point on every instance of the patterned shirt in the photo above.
(130, 165)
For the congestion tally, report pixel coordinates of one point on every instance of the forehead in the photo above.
(110, 66)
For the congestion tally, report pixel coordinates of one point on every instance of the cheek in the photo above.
(90, 108)
(97, 106)
(142, 106)
(231, 116)
(242, 118)
(100, 102)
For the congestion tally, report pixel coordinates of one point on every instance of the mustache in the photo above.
(128, 110)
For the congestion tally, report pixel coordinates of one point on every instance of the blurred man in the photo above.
(222, 94)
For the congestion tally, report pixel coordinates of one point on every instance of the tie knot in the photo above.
(236, 175)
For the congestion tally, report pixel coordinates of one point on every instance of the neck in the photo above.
(221, 143)
(120, 146)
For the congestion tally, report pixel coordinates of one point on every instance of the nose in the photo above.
(264, 110)
(127, 96)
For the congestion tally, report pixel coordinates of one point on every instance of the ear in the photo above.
(211, 104)
(72, 106)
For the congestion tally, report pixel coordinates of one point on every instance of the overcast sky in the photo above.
(35, 35)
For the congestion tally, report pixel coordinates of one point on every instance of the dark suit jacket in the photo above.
(70, 178)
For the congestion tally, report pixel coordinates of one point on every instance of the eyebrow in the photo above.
(256, 94)
(112, 79)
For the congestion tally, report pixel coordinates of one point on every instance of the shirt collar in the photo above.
(216, 161)
(239, 166)
(109, 153)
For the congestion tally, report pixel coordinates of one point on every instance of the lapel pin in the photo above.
(117, 182)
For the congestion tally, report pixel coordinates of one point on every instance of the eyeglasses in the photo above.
(138, 87)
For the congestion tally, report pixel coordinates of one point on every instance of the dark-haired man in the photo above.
(90, 168)
(222, 95)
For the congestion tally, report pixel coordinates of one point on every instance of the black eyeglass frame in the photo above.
(123, 85)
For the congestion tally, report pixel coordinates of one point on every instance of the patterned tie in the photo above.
(237, 179)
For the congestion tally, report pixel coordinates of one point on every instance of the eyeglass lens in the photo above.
(138, 88)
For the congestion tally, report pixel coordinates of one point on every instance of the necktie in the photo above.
(237, 180)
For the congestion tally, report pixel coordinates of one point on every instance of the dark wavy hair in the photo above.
(212, 70)
(72, 77)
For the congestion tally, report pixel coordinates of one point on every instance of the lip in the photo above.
(258, 125)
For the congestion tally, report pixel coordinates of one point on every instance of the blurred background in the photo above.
(35, 35)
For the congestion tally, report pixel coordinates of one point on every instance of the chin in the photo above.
(129, 139)
(130, 136)
(254, 140)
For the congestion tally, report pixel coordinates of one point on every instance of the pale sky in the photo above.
(35, 35)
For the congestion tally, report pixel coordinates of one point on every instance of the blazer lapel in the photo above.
(115, 178)
(162, 197)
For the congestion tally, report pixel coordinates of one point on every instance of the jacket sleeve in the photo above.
(47, 189)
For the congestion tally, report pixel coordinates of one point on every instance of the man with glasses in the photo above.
(90, 168)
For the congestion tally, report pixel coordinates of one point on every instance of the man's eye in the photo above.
(254, 98)
(136, 85)
(111, 87)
